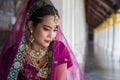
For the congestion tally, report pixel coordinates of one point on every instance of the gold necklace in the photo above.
(32, 56)
(35, 54)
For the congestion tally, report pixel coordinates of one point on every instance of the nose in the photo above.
(50, 34)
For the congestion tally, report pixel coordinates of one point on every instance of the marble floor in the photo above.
(102, 75)
(94, 72)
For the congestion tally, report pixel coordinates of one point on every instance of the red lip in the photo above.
(47, 41)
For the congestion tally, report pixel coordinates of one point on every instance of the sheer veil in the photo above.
(13, 42)
(74, 72)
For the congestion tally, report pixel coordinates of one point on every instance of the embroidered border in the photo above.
(17, 61)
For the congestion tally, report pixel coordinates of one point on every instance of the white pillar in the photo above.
(79, 31)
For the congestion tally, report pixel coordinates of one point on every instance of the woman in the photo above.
(42, 53)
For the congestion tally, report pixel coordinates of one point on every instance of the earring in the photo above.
(31, 39)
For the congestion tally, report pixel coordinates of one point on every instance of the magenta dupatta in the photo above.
(11, 47)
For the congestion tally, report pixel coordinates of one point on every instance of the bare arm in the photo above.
(61, 72)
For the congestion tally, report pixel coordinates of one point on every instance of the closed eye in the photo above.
(46, 28)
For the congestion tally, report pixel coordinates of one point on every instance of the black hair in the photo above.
(41, 12)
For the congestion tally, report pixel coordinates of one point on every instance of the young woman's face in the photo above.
(45, 32)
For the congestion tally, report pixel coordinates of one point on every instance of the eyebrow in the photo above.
(50, 26)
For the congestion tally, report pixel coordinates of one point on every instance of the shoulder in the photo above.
(58, 45)
(60, 48)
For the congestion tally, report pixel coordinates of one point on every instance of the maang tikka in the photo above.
(31, 39)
